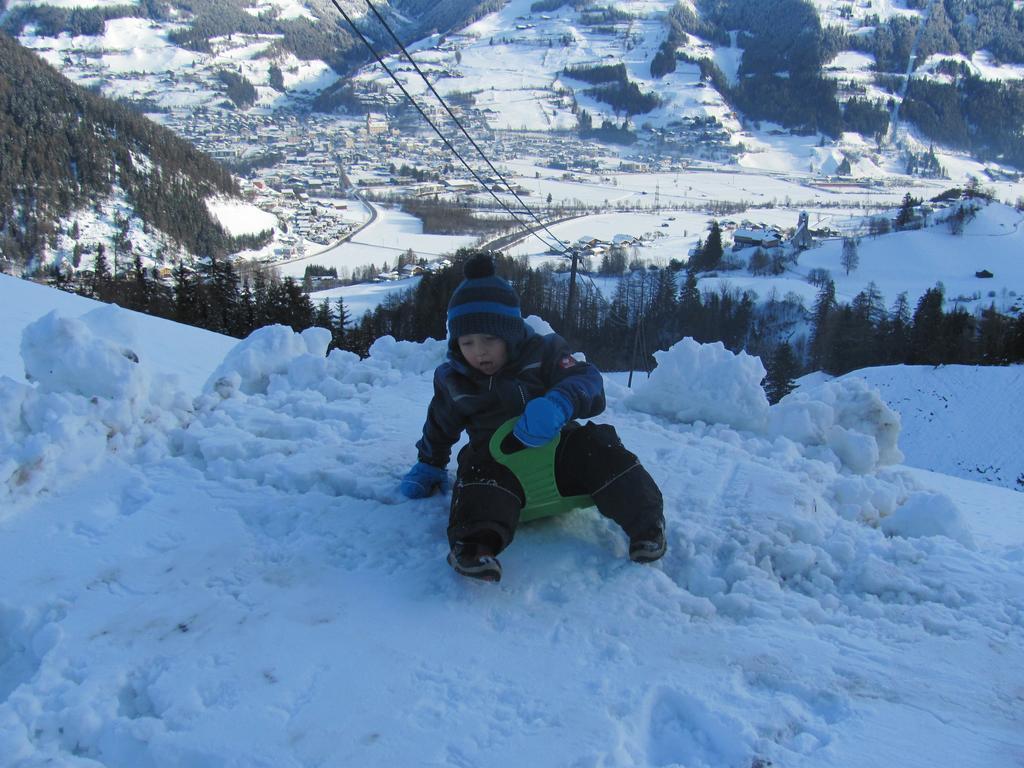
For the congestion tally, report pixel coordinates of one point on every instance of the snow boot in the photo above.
(474, 561)
(649, 547)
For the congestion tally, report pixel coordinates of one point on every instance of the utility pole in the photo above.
(636, 338)
(570, 304)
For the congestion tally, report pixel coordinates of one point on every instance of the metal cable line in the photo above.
(457, 122)
(437, 130)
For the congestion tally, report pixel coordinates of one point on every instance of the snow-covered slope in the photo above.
(164, 348)
(230, 577)
(959, 420)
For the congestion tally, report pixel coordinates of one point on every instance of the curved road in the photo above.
(374, 213)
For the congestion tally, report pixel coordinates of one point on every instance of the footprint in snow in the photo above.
(684, 730)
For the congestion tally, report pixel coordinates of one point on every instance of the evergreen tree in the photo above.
(712, 252)
(689, 299)
(186, 296)
(140, 293)
(220, 291)
(783, 369)
(958, 337)
(260, 299)
(1016, 340)
(906, 212)
(299, 307)
(663, 309)
(324, 317)
(101, 274)
(821, 325)
(340, 329)
(246, 310)
(926, 338)
(896, 338)
(613, 262)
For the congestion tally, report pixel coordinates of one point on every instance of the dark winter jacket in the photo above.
(465, 398)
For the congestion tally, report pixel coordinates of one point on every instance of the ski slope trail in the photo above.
(229, 577)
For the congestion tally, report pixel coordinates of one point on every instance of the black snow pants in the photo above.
(590, 459)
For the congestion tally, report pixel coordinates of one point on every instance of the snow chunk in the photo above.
(539, 324)
(249, 365)
(64, 354)
(409, 356)
(929, 514)
(847, 416)
(704, 382)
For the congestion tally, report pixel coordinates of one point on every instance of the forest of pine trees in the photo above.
(64, 148)
(651, 309)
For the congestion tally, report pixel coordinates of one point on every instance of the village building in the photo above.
(755, 238)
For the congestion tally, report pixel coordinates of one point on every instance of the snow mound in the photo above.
(704, 382)
(267, 352)
(280, 412)
(66, 355)
(843, 422)
(275, 357)
(848, 417)
(539, 324)
(928, 514)
(92, 394)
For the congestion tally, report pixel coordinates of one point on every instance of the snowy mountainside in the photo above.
(173, 55)
(513, 62)
(82, 171)
(227, 575)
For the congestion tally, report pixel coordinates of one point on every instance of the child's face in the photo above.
(488, 354)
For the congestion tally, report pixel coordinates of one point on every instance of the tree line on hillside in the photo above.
(953, 26)
(613, 86)
(549, 6)
(650, 309)
(66, 148)
(442, 217)
(217, 295)
(241, 92)
(982, 116)
(780, 77)
(326, 38)
(51, 20)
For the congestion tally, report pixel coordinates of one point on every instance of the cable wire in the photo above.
(457, 122)
(430, 122)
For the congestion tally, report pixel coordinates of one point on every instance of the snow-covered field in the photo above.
(390, 235)
(225, 574)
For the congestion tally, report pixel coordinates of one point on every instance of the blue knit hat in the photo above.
(484, 303)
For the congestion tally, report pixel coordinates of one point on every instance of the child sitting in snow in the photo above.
(499, 368)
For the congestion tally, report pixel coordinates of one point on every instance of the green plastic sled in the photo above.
(535, 469)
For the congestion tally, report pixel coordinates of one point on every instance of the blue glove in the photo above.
(420, 481)
(543, 419)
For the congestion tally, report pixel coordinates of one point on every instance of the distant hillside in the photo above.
(65, 148)
(311, 30)
(783, 74)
